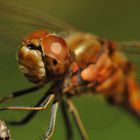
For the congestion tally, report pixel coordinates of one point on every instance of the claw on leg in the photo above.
(52, 121)
(69, 130)
(77, 120)
(30, 108)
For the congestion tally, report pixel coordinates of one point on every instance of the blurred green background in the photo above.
(117, 20)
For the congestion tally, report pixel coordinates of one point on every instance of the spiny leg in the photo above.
(21, 92)
(51, 98)
(66, 120)
(52, 121)
(31, 114)
(77, 120)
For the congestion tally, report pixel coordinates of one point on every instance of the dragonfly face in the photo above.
(42, 54)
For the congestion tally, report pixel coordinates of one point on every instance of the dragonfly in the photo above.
(73, 62)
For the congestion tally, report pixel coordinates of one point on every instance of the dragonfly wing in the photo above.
(17, 21)
(132, 50)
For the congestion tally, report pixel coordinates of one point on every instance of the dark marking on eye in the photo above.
(55, 62)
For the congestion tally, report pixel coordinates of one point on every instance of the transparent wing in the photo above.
(132, 50)
(17, 21)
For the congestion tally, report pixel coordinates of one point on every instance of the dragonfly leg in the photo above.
(66, 120)
(51, 98)
(31, 114)
(52, 121)
(77, 120)
(21, 92)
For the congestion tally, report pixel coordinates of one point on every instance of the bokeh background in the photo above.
(116, 20)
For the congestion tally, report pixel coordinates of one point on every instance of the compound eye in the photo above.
(56, 48)
(36, 35)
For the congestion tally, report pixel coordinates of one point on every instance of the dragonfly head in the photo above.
(43, 55)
